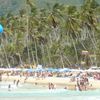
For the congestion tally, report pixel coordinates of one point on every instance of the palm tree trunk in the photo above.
(36, 52)
(43, 55)
(33, 59)
(6, 56)
(28, 39)
(63, 66)
(48, 52)
(75, 49)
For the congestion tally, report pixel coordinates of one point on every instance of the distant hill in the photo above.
(10, 6)
(15, 5)
(42, 3)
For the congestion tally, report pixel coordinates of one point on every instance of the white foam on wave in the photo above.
(6, 87)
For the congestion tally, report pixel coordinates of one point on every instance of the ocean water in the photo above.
(51, 98)
(35, 92)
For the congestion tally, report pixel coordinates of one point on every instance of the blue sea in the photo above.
(36, 92)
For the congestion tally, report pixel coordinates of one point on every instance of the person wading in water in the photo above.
(78, 85)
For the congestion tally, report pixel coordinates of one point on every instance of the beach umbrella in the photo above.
(39, 70)
(13, 69)
(50, 69)
(65, 70)
(1, 29)
(77, 70)
(30, 70)
(91, 70)
(55, 70)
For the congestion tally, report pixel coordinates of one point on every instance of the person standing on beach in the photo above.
(78, 87)
(14, 81)
(86, 82)
(52, 86)
(49, 86)
(0, 77)
(9, 87)
(17, 83)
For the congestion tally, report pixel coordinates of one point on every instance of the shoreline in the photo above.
(62, 82)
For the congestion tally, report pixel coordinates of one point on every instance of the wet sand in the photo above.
(63, 82)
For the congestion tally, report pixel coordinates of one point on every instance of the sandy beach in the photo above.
(95, 84)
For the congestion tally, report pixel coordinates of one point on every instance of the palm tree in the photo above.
(89, 22)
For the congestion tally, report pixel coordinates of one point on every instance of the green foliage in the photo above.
(54, 37)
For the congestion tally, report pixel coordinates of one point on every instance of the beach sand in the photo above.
(63, 82)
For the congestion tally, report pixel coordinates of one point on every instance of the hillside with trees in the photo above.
(53, 38)
(15, 5)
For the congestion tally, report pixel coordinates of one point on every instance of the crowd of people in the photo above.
(81, 78)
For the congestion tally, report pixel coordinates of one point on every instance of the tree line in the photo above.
(53, 36)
